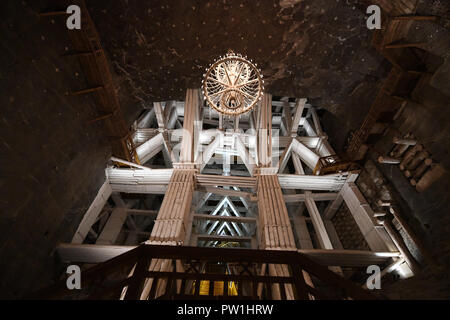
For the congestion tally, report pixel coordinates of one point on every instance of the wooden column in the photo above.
(190, 113)
(275, 227)
(171, 224)
(265, 132)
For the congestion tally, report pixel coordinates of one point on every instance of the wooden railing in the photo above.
(128, 275)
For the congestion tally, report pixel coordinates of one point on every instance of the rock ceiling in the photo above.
(318, 49)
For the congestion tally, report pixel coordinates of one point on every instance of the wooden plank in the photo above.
(187, 143)
(224, 218)
(302, 232)
(348, 258)
(300, 105)
(159, 114)
(309, 157)
(112, 228)
(317, 221)
(207, 237)
(226, 192)
(331, 231)
(316, 121)
(150, 148)
(265, 132)
(245, 155)
(209, 151)
(92, 213)
(89, 253)
(300, 197)
(297, 163)
(333, 207)
(205, 180)
(362, 213)
(332, 182)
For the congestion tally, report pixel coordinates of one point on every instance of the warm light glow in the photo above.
(232, 85)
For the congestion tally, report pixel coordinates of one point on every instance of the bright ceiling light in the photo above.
(232, 85)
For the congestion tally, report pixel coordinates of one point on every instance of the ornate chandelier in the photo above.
(232, 84)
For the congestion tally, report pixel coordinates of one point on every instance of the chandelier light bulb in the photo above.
(232, 84)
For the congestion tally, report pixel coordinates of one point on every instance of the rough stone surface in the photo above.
(52, 162)
(425, 212)
(317, 49)
(348, 231)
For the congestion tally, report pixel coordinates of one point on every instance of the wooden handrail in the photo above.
(142, 256)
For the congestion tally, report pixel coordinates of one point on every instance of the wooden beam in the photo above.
(208, 152)
(300, 105)
(90, 253)
(300, 197)
(224, 218)
(332, 234)
(265, 132)
(362, 213)
(317, 221)
(348, 258)
(92, 213)
(245, 155)
(309, 157)
(316, 121)
(226, 192)
(191, 109)
(285, 158)
(113, 226)
(209, 180)
(286, 118)
(159, 114)
(301, 229)
(399, 242)
(207, 237)
(150, 148)
(333, 207)
(332, 182)
(297, 164)
(118, 176)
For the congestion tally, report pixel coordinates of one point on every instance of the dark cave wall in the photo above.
(426, 115)
(51, 161)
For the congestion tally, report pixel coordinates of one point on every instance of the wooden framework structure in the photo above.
(226, 187)
(408, 68)
(257, 180)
